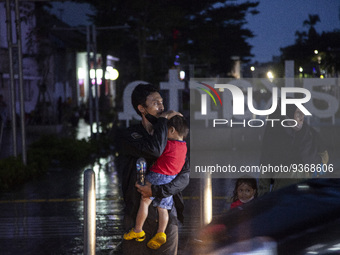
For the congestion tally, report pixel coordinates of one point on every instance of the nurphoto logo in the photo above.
(238, 104)
(204, 97)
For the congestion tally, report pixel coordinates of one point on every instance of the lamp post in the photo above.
(252, 70)
(318, 57)
(18, 46)
(92, 45)
(301, 72)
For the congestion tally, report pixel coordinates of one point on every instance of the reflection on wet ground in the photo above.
(46, 216)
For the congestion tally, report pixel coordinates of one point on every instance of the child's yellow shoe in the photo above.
(157, 241)
(139, 237)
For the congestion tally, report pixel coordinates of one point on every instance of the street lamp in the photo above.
(182, 75)
(111, 73)
(318, 56)
(270, 75)
(92, 74)
(97, 74)
(252, 69)
(81, 73)
(301, 72)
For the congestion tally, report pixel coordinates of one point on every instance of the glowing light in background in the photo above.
(270, 75)
(182, 75)
(111, 73)
(81, 73)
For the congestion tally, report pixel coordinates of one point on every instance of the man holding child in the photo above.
(148, 140)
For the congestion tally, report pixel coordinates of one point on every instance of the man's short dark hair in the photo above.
(139, 95)
(180, 124)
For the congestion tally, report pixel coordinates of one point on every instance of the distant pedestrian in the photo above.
(3, 110)
(60, 109)
(298, 145)
(245, 191)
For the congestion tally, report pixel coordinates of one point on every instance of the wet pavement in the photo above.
(46, 216)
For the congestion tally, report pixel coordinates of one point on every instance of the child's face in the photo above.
(245, 192)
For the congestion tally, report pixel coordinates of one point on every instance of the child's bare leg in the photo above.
(160, 238)
(142, 213)
(163, 218)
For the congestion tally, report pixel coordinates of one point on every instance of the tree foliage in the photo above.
(303, 51)
(311, 22)
(204, 33)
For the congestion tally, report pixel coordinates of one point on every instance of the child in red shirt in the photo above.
(244, 192)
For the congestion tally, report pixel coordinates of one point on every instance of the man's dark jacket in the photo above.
(136, 142)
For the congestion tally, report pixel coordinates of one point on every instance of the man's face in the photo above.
(299, 117)
(154, 104)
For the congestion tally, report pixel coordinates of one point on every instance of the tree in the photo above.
(303, 51)
(329, 51)
(311, 22)
(216, 34)
(301, 37)
(50, 48)
(204, 33)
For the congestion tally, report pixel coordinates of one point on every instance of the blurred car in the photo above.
(299, 219)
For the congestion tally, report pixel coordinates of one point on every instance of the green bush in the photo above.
(66, 152)
(12, 172)
(48, 151)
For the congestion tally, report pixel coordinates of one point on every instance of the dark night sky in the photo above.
(278, 21)
(274, 27)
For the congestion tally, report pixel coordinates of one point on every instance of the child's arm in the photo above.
(176, 185)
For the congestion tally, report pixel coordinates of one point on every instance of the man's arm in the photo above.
(138, 144)
(176, 185)
(148, 146)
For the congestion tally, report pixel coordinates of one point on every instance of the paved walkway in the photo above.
(46, 216)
